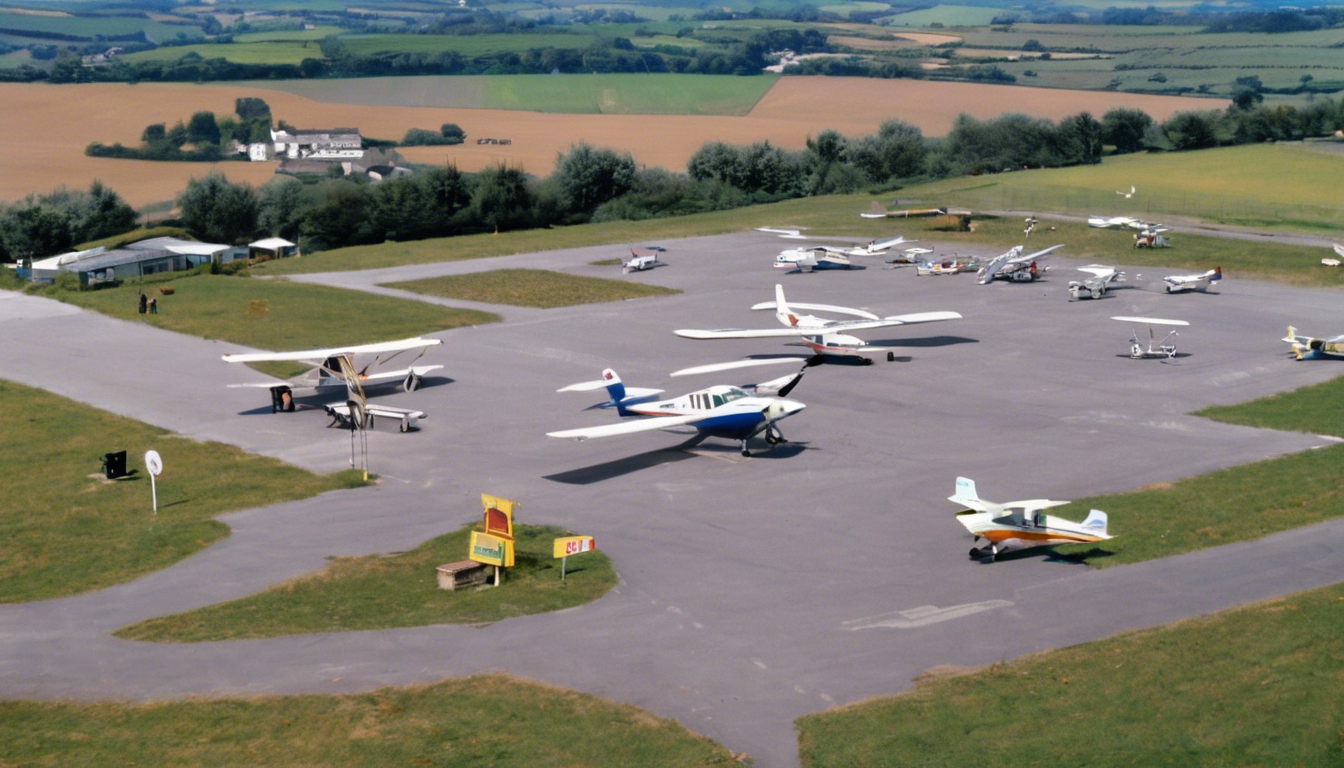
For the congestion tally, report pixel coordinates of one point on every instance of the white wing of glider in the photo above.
(792, 234)
(716, 367)
(627, 427)
(322, 354)
(1150, 320)
(820, 308)
(842, 326)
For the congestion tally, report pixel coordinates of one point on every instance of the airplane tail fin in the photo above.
(782, 310)
(1096, 522)
(965, 493)
(1291, 338)
(615, 388)
(1217, 274)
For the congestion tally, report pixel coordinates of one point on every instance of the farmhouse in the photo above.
(147, 257)
(334, 144)
(271, 248)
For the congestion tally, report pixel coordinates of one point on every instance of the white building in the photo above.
(334, 144)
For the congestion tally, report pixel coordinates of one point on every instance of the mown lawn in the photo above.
(381, 592)
(65, 529)
(475, 721)
(1253, 686)
(532, 288)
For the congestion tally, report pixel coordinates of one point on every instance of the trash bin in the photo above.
(114, 465)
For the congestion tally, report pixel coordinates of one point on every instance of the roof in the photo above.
(177, 245)
(271, 243)
(115, 258)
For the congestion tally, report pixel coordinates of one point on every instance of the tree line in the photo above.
(597, 184)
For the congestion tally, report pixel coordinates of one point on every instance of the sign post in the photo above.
(571, 545)
(155, 465)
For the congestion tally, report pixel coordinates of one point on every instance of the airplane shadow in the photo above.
(927, 341)
(607, 470)
(1049, 555)
(1177, 356)
(316, 402)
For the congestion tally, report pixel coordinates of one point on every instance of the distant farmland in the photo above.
(47, 127)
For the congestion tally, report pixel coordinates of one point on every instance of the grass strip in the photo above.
(380, 592)
(1309, 409)
(475, 721)
(1250, 686)
(538, 288)
(65, 529)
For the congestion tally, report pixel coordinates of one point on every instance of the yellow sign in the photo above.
(573, 545)
(491, 550)
(498, 515)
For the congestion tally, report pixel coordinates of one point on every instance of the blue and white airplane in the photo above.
(723, 411)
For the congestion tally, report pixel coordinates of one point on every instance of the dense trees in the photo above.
(218, 211)
(44, 225)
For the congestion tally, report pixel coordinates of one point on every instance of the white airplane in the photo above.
(1151, 238)
(1015, 266)
(1103, 278)
(810, 259)
(1107, 222)
(787, 233)
(642, 259)
(1200, 282)
(335, 372)
(1021, 524)
(1126, 195)
(823, 335)
(719, 411)
(875, 248)
(1307, 348)
(1155, 348)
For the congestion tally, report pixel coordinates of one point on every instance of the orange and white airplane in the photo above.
(1020, 524)
(823, 336)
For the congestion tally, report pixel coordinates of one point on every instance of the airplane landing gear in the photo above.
(411, 383)
(745, 452)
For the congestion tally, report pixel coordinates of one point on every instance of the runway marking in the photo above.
(923, 615)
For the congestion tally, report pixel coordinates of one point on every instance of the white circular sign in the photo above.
(153, 463)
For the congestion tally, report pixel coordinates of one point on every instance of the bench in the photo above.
(464, 573)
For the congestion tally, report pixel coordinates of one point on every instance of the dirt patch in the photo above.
(926, 38)
(46, 127)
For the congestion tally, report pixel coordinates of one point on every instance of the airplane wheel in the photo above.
(1096, 294)
(746, 453)
(405, 427)
(411, 383)
(891, 357)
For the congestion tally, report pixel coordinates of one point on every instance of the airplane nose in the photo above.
(784, 408)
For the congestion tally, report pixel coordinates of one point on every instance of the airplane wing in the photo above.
(792, 234)
(627, 427)
(842, 326)
(924, 317)
(716, 367)
(1098, 270)
(874, 215)
(321, 354)
(1036, 255)
(819, 308)
(1150, 320)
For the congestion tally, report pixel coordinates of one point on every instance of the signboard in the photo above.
(573, 545)
(155, 466)
(498, 515)
(491, 550)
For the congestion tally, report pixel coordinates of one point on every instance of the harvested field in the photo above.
(928, 38)
(47, 127)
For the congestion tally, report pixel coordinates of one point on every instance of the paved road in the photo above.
(753, 590)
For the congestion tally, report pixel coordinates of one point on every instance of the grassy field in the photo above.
(455, 723)
(628, 94)
(64, 532)
(532, 288)
(467, 45)
(381, 592)
(1301, 193)
(283, 52)
(270, 314)
(1243, 687)
(947, 15)
(316, 33)
(1310, 409)
(92, 27)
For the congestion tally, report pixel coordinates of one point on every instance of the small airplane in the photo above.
(810, 259)
(952, 266)
(1307, 348)
(719, 411)
(1015, 266)
(1031, 224)
(642, 259)
(1107, 222)
(788, 233)
(1155, 348)
(1103, 278)
(822, 335)
(1331, 262)
(1151, 238)
(908, 256)
(335, 372)
(1126, 195)
(1020, 524)
(1200, 282)
(875, 248)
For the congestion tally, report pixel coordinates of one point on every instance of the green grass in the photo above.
(285, 52)
(532, 288)
(316, 33)
(948, 15)
(475, 721)
(382, 592)
(273, 314)
(1309, 409)
(63, 532)
(628, 94)
(467, 45)
(1286, 187)
(1252, 686)
(134, 236)
(91, 27)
